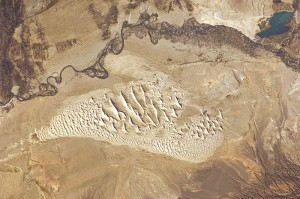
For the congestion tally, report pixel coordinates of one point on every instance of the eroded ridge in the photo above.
(145, 114)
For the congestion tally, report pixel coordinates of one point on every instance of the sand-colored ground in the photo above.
(177, 119)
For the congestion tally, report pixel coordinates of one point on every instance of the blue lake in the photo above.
(278, 23)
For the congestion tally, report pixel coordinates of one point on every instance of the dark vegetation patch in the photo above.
(65, 45)
(133, 4)
(20, 61)
(169, 5)
(162, 5)
(104, 21)
(10, 17)
(39, 51)
(189, 5)
(27, 59)
(296, 4)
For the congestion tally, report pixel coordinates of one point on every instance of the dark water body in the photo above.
(278, 24)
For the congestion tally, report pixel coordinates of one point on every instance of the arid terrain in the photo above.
(149, 99)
